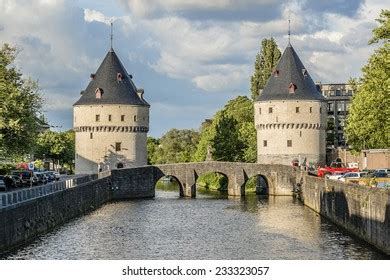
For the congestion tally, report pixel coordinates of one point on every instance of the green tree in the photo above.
(152, 146)
(382, 32)
(176, 146)
(368, 122)
(226, 143)
(58, 146)
(20, 107)
(266, 60)
(231, 134)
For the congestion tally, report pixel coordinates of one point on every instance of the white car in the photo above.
(335, 175)
(57, 175)
(353, 175)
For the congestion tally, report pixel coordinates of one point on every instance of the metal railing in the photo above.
(17, 196)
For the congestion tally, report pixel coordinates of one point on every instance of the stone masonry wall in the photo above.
(23, 222)
(361, 210)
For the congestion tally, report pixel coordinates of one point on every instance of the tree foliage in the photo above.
(368, 123)
(266, 60)
(58, 146)
(231, 135)
(20, 107)
(382, 32)
(174, 146)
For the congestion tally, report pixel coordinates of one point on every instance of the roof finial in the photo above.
(111, 36)
(289, 28)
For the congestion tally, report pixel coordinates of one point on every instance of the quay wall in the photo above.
(22, 222)
(361, 210)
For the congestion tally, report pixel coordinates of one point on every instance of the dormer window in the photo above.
(92, 76)
(304, 72)
(292, 88)
(275, 73)
(99, 93)
(119, 77)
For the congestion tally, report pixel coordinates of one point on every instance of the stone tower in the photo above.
(111, 120)
(290, 115)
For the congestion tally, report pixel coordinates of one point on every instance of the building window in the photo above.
(91, 135)
(118, 147)
(97, 118)
(296, 109)
(320, 110)
(135, 118)
(259, 111)
(270, 110)
(292, 88)
(300, 133)
(109, 118)
(311, 109)
(289, 143)
(99, 93)
(264, 143)
(122, 118)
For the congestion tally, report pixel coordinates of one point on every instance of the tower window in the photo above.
(304, 72)
(99, 93)
(275, 73)
(97, 118)
(292, 88)
(119, 77)
(122, 118)
(320, 110)
(259, 111)
(135, 118)
(289, 143)
(311, 110)
(118, 146)
(296, 109)
(270, 110)
(91, 135)
(109, 118)
(264, 143)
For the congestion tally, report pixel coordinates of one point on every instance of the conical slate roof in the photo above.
(115, 83)
(290, 80)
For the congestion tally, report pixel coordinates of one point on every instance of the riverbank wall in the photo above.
(21, 222)
(361, 210)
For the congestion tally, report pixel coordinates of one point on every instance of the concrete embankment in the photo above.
(361, 210)
(23, 221)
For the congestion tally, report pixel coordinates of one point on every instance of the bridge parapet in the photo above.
(141, 181)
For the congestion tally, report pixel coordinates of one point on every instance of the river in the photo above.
(211, 226)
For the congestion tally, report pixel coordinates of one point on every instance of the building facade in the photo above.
(339, 98)
(290, 116)
(111, 121)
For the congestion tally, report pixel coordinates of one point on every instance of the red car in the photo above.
(334, 167)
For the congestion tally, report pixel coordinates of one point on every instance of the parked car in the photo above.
(50, 176)
(335, 175)
(353, 175)
(379, 174)
(26, 177)
(57, 175)
(42, 179)
(17, 181)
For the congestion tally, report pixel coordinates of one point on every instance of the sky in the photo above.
(190, 56)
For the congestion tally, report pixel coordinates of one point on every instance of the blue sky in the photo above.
(190, 56)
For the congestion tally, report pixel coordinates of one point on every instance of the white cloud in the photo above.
(92, 15)
(144, 8)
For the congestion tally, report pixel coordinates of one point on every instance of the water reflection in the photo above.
(208, 227)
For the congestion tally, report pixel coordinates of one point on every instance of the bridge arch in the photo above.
(169, 179)
(258, 184)
(212, 180)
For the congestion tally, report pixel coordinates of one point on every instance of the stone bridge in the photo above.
(141, 181)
